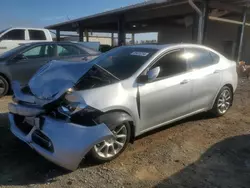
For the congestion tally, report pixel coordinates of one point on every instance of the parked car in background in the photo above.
(105, 48)
(22, 62)
(92, 45)
(13, 37)
(96, 108)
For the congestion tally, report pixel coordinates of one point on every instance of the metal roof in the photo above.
(237, 2)
(149, 3)
(144, 11)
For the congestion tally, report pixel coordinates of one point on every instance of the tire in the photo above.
(223, 101)
(4, 86)
(106, 146)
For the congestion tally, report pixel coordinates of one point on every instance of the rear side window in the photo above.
(68, 50)
(15, 34)
(215, 57)
(199, 58)
(37, 35)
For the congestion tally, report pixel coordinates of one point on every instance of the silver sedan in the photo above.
(72, 110)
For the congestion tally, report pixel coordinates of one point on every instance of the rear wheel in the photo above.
(223, 101)
(4, 86)
(111, 148)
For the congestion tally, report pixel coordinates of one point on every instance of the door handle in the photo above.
(84, 58)
(184, 82)
(216, 71)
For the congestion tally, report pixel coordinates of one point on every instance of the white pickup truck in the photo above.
(12, 37)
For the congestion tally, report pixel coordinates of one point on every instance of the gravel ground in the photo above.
(200, 151)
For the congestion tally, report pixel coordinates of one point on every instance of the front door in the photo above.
(32, 59)
(167, 97)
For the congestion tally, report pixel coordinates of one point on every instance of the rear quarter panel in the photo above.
(229, 73)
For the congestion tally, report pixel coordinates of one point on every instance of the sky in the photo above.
(41, 13)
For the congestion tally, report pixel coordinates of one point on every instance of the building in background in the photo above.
(220, 24)
(103, 38)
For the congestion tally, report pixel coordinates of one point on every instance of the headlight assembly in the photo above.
(76, 109)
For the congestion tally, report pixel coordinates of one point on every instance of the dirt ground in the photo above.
(200, 151)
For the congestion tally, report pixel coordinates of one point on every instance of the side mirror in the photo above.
(142, 79)
(150, 76)
(20, 57)
(153, 73)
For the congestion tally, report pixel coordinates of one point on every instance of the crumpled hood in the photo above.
(55, 77)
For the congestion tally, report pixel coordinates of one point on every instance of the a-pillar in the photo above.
(121, 31)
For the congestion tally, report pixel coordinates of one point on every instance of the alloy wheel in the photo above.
(224, 101)
(111, 147)
(2, 87)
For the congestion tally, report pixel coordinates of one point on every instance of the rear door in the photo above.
(36, 35)
(206, 77)
(33, 58)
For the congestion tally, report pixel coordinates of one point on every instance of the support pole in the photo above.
(203, 17)
(242, 32)
(80, 34)
(112, 39)
(195, 28)
(205, 20)
(58, 35)
(86, 33)
(121, 31)
(133, 38)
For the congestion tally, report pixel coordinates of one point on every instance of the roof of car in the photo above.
(162, 46)
(51, 42)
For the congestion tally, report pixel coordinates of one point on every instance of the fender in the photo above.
(113, 118)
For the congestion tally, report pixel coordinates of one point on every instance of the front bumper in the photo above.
(70, 142)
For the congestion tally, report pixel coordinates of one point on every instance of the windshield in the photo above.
(2, 31)
(123, 62)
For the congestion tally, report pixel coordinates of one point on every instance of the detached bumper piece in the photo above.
(24, 110)
(61, 142)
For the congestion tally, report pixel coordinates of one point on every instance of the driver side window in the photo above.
(173, 63)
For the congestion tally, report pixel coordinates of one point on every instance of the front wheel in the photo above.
(4, 86)
(223, 101)
(111, 148)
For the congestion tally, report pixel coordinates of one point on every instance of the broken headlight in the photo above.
(78, 111)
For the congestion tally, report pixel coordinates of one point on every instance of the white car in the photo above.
(13, 37)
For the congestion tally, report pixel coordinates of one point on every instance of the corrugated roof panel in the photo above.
(116, 11)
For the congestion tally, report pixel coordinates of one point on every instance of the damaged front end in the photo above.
(56, 122)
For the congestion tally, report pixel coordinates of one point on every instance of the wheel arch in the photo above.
(228, 85)
(115, 117)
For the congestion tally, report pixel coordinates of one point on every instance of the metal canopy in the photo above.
(144, 13)
(237, 2)
(147, 16)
